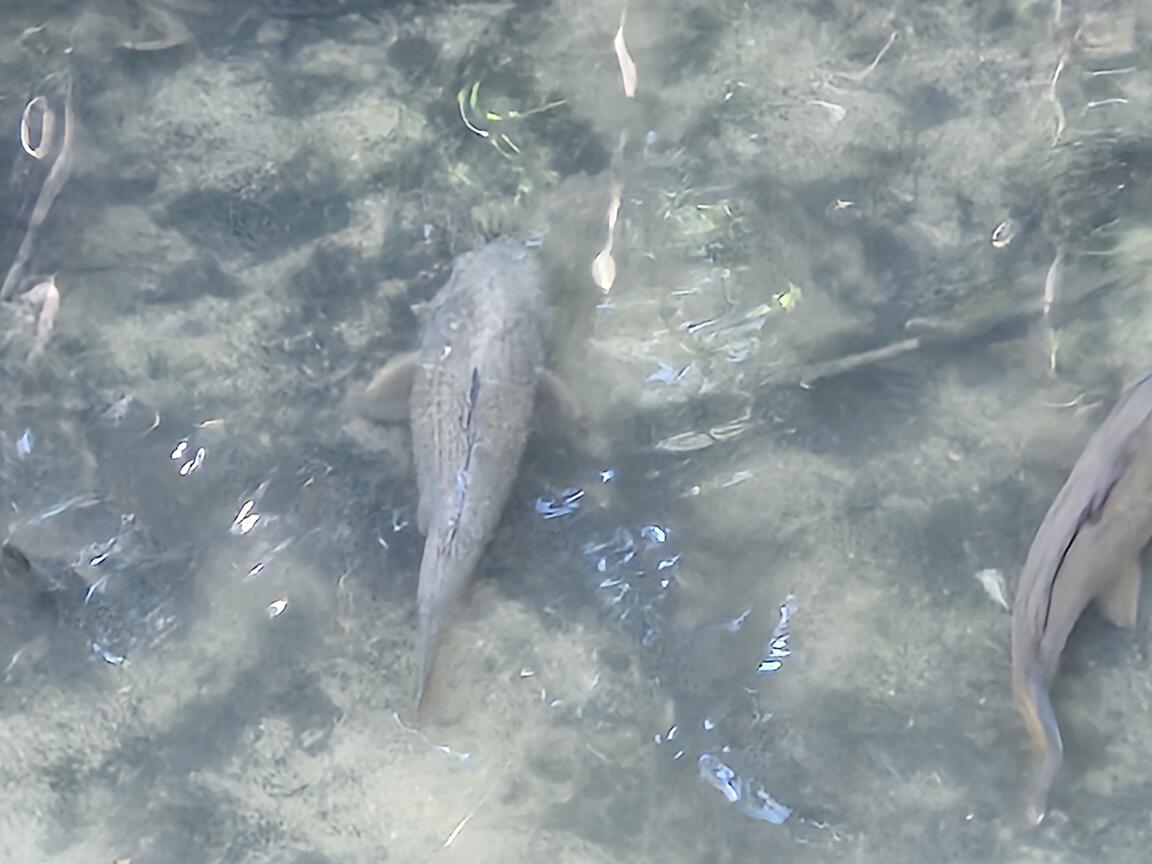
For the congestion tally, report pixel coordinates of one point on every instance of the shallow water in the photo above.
(829, 394)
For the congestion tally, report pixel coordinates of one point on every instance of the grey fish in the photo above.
(1087, 548)
(471, 391)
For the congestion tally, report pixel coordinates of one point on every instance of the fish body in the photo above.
(470, 391)
(1087, 548)
(472, 404)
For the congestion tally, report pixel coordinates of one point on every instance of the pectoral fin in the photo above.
(424, 511)
(1120, 601)
(561, 416)
(386, 397)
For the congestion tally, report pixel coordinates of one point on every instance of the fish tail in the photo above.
(429, 645)
(1035, 705)
(422, 690)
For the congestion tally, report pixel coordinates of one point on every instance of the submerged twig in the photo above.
(1052, 281)
(871, 67)
(1057, 107)
(628, 72)
(47, 296)
(46, 161)
(604, 265)
(842, 365)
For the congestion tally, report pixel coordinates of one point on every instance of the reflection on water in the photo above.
(843, 287)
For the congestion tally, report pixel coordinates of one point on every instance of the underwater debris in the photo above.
(778, 649)
(752, 799)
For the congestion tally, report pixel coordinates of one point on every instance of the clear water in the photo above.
(830, 399)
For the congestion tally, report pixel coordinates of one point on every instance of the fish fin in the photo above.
(429, 651)
(15, 563)
(424, 513)
(1120, 601)
(423, 692)
(561, 416)
(387, 395)
(1035, 705)
(556, 395)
